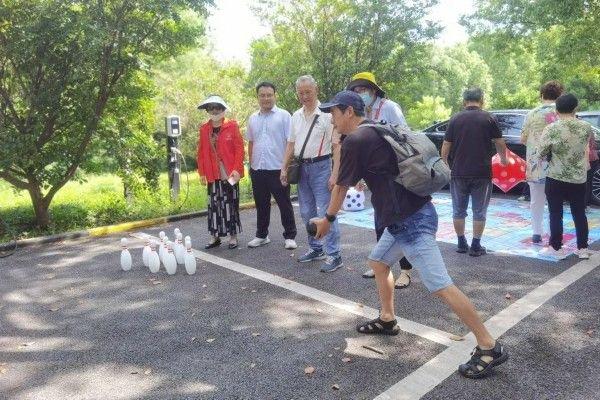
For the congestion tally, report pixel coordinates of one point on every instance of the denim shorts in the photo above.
(480, 190)
(414, 238)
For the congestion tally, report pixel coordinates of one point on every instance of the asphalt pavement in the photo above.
(74, 326)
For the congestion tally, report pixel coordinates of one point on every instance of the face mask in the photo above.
(217, 117)
(367, 98)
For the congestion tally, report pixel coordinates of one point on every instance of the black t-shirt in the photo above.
(471, 132)
(365, 155)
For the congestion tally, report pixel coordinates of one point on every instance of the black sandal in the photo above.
(377, 326)
(476, 368)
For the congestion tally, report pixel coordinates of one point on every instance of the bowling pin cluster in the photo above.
(170, 254)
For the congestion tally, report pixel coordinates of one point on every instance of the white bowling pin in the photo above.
(161, 236)
(163, 249)
(169, 260)
(153, 260)
(179, 249)
(146, 253)
(190, 259)
(125, 256)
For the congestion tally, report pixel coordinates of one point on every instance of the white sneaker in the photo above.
(290, 244)
(550, 252)
(583, 254)
(256, 242)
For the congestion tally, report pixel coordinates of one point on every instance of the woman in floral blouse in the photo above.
(566, 144)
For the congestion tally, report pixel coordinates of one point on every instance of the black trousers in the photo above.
(556, 193)
(266, 183)
(404, 263)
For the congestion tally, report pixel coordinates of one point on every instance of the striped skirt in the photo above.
(223, 208)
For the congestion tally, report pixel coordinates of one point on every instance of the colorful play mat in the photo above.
(508, 226)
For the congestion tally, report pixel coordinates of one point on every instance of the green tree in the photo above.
(334, 39)
(426, 112)
(62, 65)
(564, 35)
(452, 70)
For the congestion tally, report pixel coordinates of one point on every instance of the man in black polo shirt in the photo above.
(409, 222)
(467, 149)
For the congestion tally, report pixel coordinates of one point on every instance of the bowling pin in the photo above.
(146, 253)
(190, 259)
(163, 248)
(153, 260)
(161, 236)
(169, 260)
(125, 256)
(179, 249)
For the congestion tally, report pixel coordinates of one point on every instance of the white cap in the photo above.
(214, 99)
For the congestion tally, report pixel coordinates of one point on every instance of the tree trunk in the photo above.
(40, 207)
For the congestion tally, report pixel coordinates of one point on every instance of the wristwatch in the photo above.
(329, 218)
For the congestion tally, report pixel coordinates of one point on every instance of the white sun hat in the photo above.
(213, 99)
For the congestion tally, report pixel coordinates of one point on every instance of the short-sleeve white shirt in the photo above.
(322, 137)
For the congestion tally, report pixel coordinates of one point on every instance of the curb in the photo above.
(110, 229)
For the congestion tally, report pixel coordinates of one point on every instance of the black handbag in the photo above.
(293, 169)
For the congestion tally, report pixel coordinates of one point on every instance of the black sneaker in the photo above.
(462, 248)
(477, 251)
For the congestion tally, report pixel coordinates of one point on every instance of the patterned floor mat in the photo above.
(508, 227)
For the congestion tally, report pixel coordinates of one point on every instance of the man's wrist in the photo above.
(330, 217)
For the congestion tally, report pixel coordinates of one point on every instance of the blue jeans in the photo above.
(314, 197)
(414, 238)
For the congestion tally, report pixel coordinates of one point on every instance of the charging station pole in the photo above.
(173, 129)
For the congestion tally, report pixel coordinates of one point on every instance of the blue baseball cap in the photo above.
(344, 98)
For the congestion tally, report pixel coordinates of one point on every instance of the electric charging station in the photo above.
(173, 128)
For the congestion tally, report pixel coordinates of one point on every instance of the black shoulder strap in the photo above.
(308, 136)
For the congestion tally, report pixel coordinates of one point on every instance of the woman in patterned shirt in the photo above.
(566, 144)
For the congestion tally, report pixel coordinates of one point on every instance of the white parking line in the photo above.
(432, 373)
(427, 332)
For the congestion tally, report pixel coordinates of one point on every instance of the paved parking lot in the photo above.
(250, 321)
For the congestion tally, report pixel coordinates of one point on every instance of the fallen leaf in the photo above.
(193, 314)
(329, 355)
(253, 291)
(27, 344)
(134, 372)
(244, 288)
(3, 370)
(157, 283)
(255, 334)
(210, 340)
(54, 309)
(292, 255)
(590, 332)
(457, 338)
(204, 286)
(361, 305)
(337, 348)
(335, 386)
(507, 296)
(319, 310)
(346, 359)
(309, 370)
(252, 365)
(350, 268)
(193, 339)
(148, 371)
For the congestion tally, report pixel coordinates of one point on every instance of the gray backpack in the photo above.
(422, 170)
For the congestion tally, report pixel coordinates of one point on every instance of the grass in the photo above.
(99, 201)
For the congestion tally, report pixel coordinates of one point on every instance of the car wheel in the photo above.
(596, 186)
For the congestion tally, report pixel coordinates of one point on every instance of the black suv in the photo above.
(511, 122)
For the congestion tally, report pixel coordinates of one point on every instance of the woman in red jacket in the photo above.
(220, 165)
